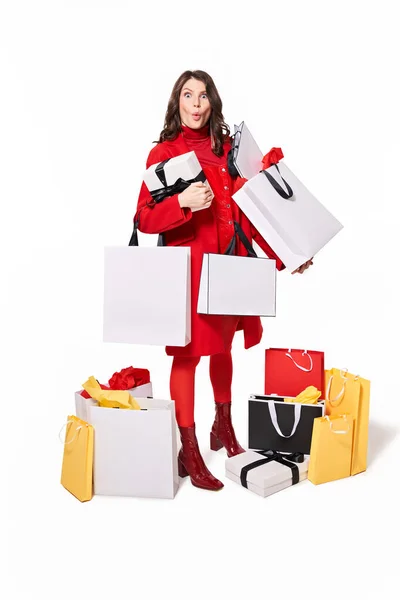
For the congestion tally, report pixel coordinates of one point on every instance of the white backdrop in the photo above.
(85, 86)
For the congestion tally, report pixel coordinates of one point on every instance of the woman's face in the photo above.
(194, 106)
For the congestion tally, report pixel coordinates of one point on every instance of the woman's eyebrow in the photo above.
(186, 88)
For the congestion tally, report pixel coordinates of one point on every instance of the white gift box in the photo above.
(293, 222)
(265, 479)
(237, 285)
(147, 295)
(135, 451)
(166, 173)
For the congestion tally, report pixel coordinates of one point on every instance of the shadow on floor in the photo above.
(380, 436)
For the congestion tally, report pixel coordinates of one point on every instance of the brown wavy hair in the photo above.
(219, 130)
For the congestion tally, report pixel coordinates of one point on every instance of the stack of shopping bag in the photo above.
(122, 441)
(309, 423)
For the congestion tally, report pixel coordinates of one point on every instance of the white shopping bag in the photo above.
(82, 404)
(135, 451)
(147, 295)
(293, 222)
(247, 156)
(174, 175)
(237, 285)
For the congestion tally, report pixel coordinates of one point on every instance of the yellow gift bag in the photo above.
(331, 448)
(347, 393)
(77, 466)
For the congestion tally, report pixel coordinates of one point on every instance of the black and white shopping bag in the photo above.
(147, 296)
(282, 426)
(284, 211)
(237, 285)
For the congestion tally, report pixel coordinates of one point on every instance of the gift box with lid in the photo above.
(173, 175)
(268, 472)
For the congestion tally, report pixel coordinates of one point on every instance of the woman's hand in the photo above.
(303, 267)
(197, 195)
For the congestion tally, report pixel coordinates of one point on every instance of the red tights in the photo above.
(182, 383)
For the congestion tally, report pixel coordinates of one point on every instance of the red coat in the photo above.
(203, 231)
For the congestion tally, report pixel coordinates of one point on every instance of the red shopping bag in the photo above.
(288, 372)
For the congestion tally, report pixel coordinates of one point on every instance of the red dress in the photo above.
(208, 230)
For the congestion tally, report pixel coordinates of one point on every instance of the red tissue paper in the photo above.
(124, 380)
(272, 157)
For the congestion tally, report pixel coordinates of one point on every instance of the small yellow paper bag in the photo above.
(331, 448)
(77, 466)
(347, 393)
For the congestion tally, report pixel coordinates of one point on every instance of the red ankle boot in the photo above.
(222, 432)
(190, 462)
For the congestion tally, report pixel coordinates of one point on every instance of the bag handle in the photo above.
(134, 241)
(274, 419)
(243, 238)
(76, 433)
(336, 401)
(279, 189)
(338, 431)
(305, 353)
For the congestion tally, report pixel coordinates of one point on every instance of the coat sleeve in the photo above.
(158, 217)
(256, 236)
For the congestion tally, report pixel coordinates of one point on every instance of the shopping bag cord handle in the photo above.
(336, 401)
(305, 353)
(76, 433)
(134, 240)
(274, 419)
(338, 431)
(286, 195)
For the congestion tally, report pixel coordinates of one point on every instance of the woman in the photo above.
(194, 121)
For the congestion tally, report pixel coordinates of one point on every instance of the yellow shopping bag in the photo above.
(77, 466)
(347, 393)
(331, 448)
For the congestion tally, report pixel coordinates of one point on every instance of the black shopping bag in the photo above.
(281, 426)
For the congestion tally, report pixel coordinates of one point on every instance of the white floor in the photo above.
(337, 539)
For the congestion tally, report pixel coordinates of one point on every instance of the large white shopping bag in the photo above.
(295, 224)
(237, 285)
(135, 451)
(147, 295)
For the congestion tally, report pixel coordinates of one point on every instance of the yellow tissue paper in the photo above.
(308, 396)
(110, 398)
